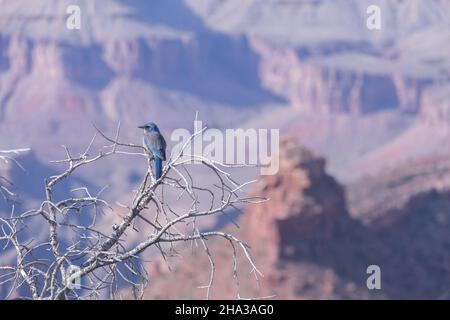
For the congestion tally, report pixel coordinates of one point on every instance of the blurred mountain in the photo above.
(311, 247)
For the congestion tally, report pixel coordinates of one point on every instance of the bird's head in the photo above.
(150, 127)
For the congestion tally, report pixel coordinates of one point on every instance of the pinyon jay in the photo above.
(155, 146)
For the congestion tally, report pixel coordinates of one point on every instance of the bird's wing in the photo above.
(163, 147)
(156, 144)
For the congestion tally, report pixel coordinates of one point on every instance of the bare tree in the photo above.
(100, 259)
(7, 156)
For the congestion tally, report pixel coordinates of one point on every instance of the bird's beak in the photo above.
(141, 127)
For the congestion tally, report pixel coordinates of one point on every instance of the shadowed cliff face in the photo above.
(308, 247)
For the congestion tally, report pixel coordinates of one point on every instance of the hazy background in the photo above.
(375, 104)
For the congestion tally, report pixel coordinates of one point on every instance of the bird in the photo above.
(155, 146)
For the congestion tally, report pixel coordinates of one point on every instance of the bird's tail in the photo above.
(158, 168)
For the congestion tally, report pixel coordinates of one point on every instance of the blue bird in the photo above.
(155, 146)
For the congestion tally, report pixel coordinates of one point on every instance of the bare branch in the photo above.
(170, 209)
